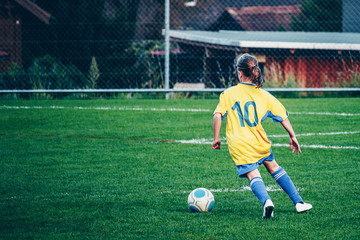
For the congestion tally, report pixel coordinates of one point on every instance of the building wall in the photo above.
(315, 70)
(10, 36)
(281, 67)
(351, 16)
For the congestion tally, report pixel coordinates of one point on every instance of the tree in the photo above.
(319, 16)
(83, 29)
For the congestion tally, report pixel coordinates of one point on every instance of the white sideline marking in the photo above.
(194, 141)
(317, 146)
(270, 188)
(325, 113)
(161, 109)
(317, 134)
(110, 108)
(207, 141)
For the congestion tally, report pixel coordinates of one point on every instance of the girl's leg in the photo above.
(283, 179)
(258, 187)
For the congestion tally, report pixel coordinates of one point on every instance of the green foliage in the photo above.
(150, 60)
(275, 78)
(350, 77)
(354, 80)
(49, 73)
(84, 29)
(14, 78)
(94, 73)
(317, 16)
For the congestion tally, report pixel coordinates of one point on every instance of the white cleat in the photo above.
(303, 207)
(268, 209)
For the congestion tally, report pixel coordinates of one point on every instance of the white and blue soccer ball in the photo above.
(201, 200)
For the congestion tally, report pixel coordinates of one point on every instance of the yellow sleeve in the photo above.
(221, 107)
(277, 111)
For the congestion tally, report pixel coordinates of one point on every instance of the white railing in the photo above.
(163, 90)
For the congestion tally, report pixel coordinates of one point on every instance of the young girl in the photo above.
(246, 106)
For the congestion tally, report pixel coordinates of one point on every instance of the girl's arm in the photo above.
(294, 144)
(217, 125)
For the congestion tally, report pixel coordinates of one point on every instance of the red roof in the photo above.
(265, 18)
(36, 10)
(162, 52)
(3, 54)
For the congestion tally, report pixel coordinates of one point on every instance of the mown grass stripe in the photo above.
(269, 188)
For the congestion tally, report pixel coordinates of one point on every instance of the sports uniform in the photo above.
(245, 106)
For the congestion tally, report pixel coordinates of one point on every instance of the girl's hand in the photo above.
(217, 125)
(294, 145)
(216, 144)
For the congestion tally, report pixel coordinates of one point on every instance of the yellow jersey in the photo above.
(245, 107)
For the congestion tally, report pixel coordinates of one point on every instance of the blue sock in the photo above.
(283, 179)
(258, 187)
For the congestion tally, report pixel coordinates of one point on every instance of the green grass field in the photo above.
(114, 169)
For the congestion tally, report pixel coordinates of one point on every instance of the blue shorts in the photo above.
(242, 170)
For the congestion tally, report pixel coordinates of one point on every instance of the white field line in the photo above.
(325, 113)
(110, 108)
(209, 141)
(161, 110)
(270, 188)
(202, 141)
(316, 134)
(318, 146)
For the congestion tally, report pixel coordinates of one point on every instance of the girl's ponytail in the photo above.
(256, 77)
(249, 66)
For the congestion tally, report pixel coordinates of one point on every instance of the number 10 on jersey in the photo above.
(246, 113)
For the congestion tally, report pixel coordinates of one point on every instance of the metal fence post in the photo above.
(167, 46)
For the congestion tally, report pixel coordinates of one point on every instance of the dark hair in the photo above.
(249, 66)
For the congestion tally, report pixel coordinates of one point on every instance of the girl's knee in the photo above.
(253, 174)
(271, 166)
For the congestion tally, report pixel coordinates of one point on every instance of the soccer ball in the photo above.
(201, 200)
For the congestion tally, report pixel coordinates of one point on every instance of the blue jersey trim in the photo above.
(274, 117)
(250, 84)
(222, 118)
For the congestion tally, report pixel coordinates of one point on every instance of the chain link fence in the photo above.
(119, 44)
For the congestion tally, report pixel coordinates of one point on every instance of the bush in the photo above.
(49, 73)
(45, 73)
(275, 78)
(14, 78)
